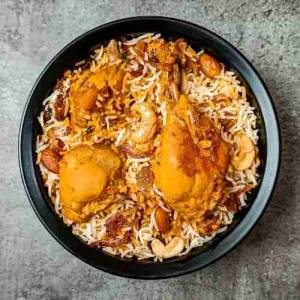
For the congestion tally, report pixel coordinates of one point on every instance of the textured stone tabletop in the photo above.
(34, 266)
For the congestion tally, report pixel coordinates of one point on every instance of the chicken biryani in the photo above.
(148, 148)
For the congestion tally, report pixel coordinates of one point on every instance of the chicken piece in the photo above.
(111, 75)
(173, 173)
(86, 97)
(84, 173)
(82, 103)
(85, 93)
(165, 53)
(188, 179)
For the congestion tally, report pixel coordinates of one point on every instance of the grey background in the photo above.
(265, 266)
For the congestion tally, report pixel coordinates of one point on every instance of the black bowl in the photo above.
(269, 145)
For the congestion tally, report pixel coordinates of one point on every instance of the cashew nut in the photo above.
(172, 249)
(147, 124)
(244, 159)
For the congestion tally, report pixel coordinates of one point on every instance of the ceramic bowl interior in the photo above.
(269, 145)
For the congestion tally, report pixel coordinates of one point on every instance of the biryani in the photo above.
(148, 148)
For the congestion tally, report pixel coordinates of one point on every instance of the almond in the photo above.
(50, 160)
(162, 220)
(209, 65)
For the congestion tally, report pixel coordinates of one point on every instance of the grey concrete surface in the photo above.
(265, 266)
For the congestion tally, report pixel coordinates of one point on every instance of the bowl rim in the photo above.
(276, 150)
